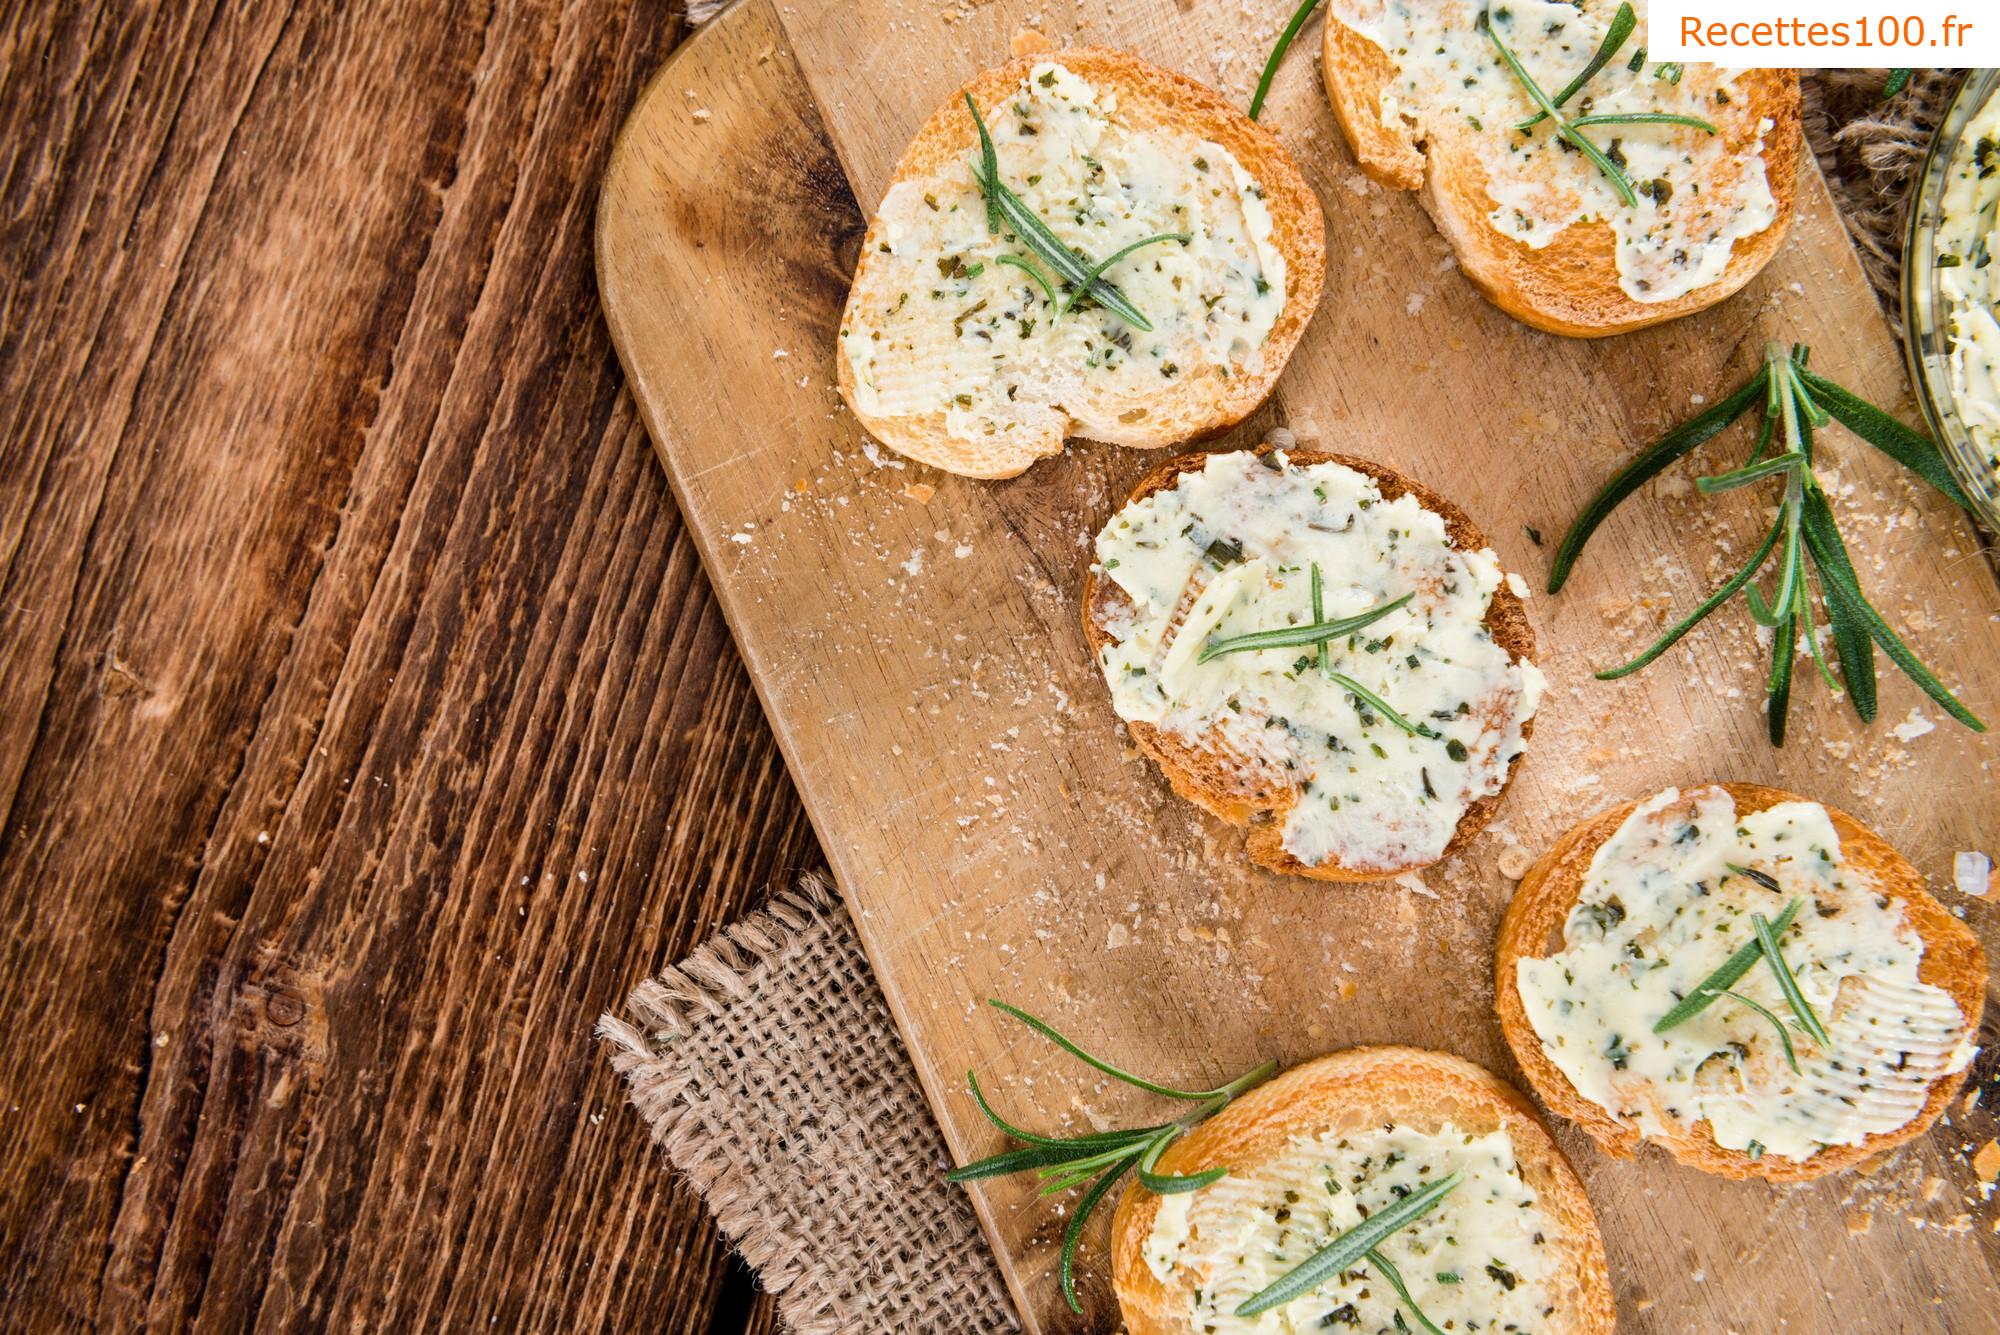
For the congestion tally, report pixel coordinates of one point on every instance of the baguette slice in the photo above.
(1533, 928)
(1203, 770)
(1570, 286)
(1061, 397)
(1360, 1090)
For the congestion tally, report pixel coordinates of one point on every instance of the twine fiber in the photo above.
(766, 1063)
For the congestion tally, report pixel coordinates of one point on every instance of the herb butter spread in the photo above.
(941, 325)
(1698, 193)
(1966, 280)
(1661, 910)
(1478, 1262)
(1228, 550)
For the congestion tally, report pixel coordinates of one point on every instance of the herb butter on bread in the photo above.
(1329, 1144)
(1429, 103)
(1635, 992)
(955, 347)
(1372, 759)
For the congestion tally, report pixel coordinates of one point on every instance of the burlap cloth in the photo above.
(766, 1063)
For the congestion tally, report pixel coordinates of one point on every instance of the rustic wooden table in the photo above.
(366, 722)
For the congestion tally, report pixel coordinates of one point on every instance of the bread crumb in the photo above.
(1859, 1222)
(1986, 1163)
(1514, 862)
(920, 492)
(1026, 41)
(701, 115)
(1913, 727)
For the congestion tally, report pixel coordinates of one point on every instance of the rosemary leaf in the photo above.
(1778, 704)
(989, 161)
(1172, 1184)
(1621, 184)
(1285, 38)
(1784, 1035)
(1097, 269)
(1709, 604)
(1704, 993)
(1027, 267)
(1841, 585)
(1075, 1230)
(1290, 637)
(1062, 1177)
(1910, 448)
(1622, 24)
(1319, 614)
(1375, 1258)
(1743, 477)
(1801, 1008)
(1809, 636)
(1649, 463)
(1018, 1161)
(1850, 637)
(1350, 1246)
(1380, 706)
(1644, 118)
(1897, 81)
(1043, 1028)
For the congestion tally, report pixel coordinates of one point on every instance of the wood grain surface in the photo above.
(367, 725)
(915, 639)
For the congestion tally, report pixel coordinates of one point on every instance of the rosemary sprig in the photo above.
(1739, 963)
(1349, 1247)
(1621, 184)
(1284, 44)
(1290, 637)
(1622, 24)
(1801, 1008)
(1897, 81)
(1100, 1158)
(1003, 205)
(1796, 402)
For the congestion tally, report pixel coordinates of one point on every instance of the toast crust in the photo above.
(1953, 961)
(1569, 286)
(1360, 1087)
(1147, 96)
(1202, 774)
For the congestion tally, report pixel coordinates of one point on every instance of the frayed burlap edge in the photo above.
(1870, 150)
(768, 1068)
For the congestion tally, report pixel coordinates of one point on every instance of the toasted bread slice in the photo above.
(1533, 928)
(1572, 285)
(952, 357)
(1208, 772)
(1356, 1094)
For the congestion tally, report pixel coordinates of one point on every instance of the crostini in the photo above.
(1635, 987)
(971, 339)
(1663, 189)
(1370, 747)
(1511, 1244)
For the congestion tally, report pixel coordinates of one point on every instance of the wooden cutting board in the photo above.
(916, 641)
